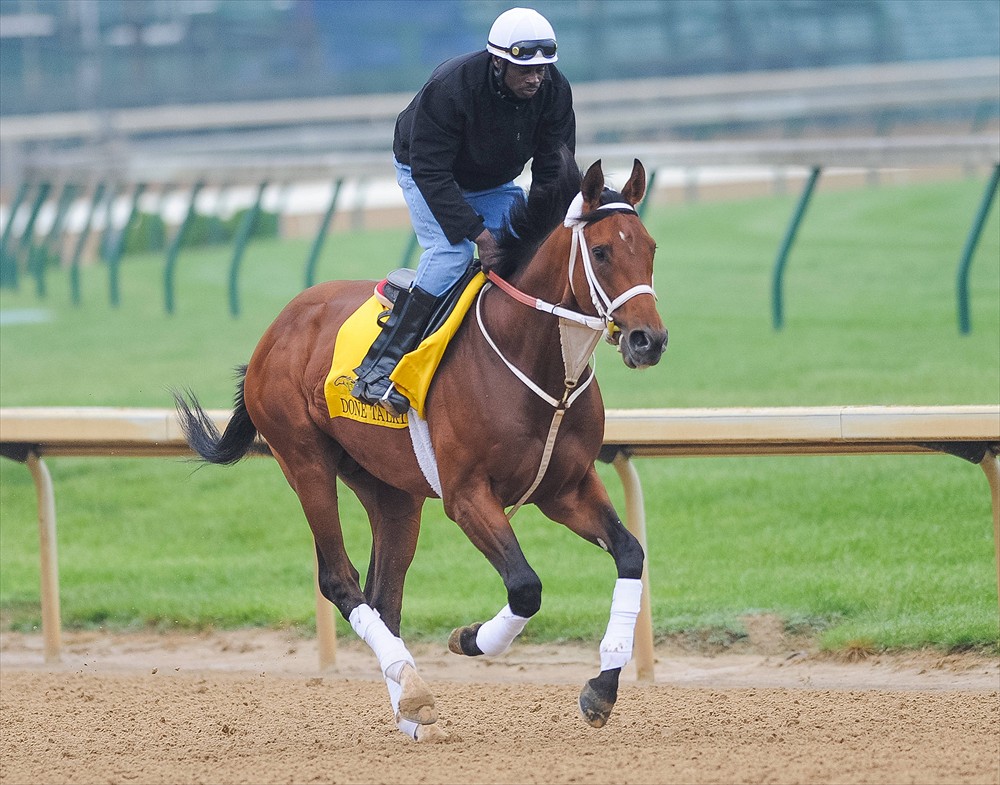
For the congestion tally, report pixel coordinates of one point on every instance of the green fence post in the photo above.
(69, 194)
(649, 194)
(108, 211)
(411, 246)
(8, 259)
(38, 261)
(777, 278)
(317, 245)
(964, 318)
(117, 248)
(26, 246)
(242, 240)
(81, 241)
(175, 249)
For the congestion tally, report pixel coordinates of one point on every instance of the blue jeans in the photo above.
(442, 263)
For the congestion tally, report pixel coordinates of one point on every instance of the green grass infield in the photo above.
(855, 551)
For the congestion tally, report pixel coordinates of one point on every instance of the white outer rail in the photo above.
(972, 432)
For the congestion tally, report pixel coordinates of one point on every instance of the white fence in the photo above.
(970, 432)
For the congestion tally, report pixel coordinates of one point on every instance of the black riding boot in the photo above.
(402, 332)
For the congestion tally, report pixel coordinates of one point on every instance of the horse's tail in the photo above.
(202, 435)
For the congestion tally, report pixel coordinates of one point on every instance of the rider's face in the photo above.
(524, 81)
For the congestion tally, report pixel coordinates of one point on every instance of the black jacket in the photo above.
(461, 132)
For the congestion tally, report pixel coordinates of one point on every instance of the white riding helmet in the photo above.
(524, 37)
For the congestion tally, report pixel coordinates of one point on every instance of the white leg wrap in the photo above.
(496, 635)
(616, 647)
(395, 691)
(390, 650)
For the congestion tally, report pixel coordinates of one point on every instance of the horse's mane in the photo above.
(532, 220)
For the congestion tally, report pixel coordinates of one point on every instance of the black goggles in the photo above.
(525, 50)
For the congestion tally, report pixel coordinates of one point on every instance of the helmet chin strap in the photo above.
(499, 73)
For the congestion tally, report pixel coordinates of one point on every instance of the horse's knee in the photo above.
(341, 597)
(628, 555)
(525, 597)
(344, 593)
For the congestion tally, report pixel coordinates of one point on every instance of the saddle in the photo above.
(415, 370)
(389, 288)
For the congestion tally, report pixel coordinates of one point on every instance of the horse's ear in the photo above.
(593, 186)
(635, 188)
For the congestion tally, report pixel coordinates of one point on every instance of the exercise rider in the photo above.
(458, 147)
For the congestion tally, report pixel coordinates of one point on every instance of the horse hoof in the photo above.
(463, 640)
(598, 697)
(432, 734)
(416, 704)
(594, 709)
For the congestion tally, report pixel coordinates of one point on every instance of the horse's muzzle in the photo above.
(643, 348)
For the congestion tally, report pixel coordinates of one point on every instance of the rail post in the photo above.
(39, 259)
(962, 283)
(175, 248)
(777, 277)
(411, 246)
(117, 248)
(26, 245)
(326, 630)
(48, 554)
(635, 519)
(649, 193)
(81, 241)
(317, 246)
(8, 260)
(242, 239)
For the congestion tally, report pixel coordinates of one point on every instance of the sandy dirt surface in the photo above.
(252, 707)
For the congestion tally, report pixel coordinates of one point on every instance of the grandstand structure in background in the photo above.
(79, 74)
(72, 55)
(115, 110)
(101, 57)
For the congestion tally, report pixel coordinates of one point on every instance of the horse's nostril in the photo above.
(638, 340)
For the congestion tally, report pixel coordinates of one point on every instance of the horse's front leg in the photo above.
(587, 510)
(481, 517)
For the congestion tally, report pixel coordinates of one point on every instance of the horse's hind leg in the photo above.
(395, 522)
(310, 465)
(587, 510)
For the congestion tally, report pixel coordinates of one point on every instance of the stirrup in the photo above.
(394, 402)
(390, 287)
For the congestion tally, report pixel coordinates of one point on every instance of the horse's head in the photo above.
(617, 268)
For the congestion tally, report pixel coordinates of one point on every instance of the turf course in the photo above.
(862, 551)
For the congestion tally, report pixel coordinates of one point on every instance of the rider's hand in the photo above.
(489, 252)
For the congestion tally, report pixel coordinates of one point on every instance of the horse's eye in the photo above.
(600, 253)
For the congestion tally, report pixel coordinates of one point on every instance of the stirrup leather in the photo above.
(400, 334)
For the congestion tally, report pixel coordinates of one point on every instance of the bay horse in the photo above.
(527, 429)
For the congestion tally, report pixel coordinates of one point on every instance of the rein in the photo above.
(578, 332)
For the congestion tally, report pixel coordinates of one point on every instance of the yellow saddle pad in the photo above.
(413, 374)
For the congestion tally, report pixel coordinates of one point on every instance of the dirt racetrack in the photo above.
(250, 707)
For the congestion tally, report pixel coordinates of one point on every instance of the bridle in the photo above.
(578, 332)
(602, 302)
